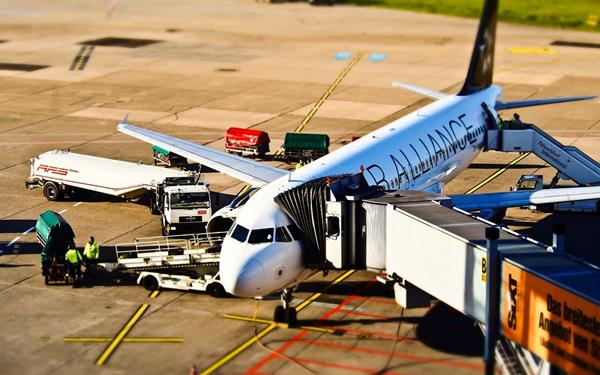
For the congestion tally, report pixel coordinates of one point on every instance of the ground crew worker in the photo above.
(91, 253)
(73, 256)
(515, 122)
(300, 164)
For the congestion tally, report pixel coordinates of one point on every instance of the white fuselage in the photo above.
(421, 151)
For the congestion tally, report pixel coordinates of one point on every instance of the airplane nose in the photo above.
(248, 282)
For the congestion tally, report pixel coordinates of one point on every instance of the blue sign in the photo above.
(377, 56)
(343, 55)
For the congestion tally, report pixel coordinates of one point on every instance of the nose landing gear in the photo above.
(285, 313)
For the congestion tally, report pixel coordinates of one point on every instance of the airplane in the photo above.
(263, 250)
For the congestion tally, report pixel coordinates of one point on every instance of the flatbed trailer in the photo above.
(209, 283)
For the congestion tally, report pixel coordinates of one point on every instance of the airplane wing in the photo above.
(436, 95)
(530, 103)
(249, 171)
(472, 202)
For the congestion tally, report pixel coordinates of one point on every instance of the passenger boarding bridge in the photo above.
(541, 304)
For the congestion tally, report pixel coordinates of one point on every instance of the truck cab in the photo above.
(184, 204)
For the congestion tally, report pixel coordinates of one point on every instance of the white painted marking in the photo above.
(77, 204)
(63, 211)
(28, 230)
(13, 241)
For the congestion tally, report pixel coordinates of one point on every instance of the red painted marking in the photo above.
(367, 315)
(361, 332)
(342, 367)
(279, 352)
(435, 361)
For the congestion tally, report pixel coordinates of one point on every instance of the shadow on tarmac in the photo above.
(346, 288)
(493, 166)
(449, 331)
(581, 237)
(15, 226)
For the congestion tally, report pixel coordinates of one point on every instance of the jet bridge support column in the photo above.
(558, 238)
(492, 308)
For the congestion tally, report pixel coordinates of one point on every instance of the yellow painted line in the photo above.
(121, 335)
(239, 349)
(279, 325)
(311, 299)
(532, 51)
(232, 354)
(82, 57)
(324, 97)
(126, 339)
(497, 173)
(329, 91)
(155, 293)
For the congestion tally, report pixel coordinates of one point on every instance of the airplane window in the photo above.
(261, 236)
(240, 233)
(282, 235)
(295, 232)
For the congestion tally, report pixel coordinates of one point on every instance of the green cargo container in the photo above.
(303, 141)
(54, 233)
(165, 157)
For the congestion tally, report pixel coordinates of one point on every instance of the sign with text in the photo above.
(550, 321)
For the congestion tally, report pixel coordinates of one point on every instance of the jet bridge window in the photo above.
(333, 226)
(240, 233)
(282, 235)
(261, 236)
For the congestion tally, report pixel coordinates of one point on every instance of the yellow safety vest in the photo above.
(73, 256)
(92, 251)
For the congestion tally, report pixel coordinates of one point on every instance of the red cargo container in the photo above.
(246, 141)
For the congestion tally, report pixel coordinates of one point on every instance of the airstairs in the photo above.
(569, 161)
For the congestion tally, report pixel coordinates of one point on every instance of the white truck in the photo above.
(534, 182)
(179, 197)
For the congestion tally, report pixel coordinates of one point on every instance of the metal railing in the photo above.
(168, 246)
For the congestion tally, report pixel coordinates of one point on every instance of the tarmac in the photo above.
(195, 68)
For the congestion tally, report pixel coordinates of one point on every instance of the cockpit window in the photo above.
(281, 235)
(261, 236)
(240, 233)
(296, 233)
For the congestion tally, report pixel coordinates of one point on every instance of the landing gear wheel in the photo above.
(279, 314)
(290, 316)
(216, 290)
(52, 192)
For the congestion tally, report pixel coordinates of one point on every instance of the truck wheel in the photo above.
(216, 290)
(150, 282)
(51, 191)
